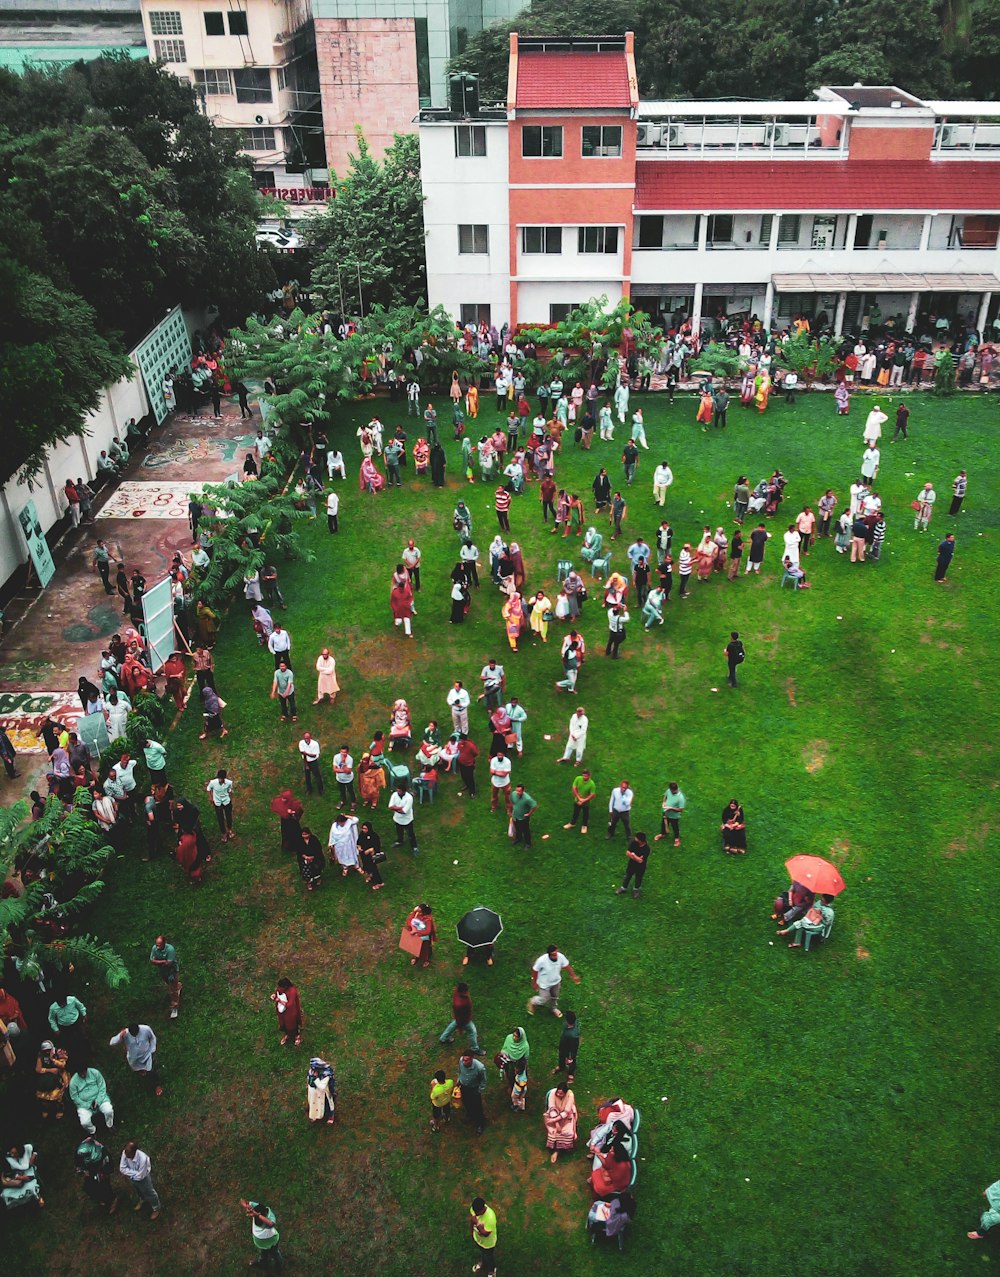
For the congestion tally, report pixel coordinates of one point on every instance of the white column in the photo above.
(852, 230)
(765, 319)
(699, 290)
(925, 232)
(911, 314)
(984, 308)
(838, 322)
(702, 232)
(772, 245)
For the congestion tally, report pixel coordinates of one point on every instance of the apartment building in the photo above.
(866, 196)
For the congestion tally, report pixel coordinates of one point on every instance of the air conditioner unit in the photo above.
(671, 136)
(778, 134)
(649, 134)
(947, 135)
(262, 119)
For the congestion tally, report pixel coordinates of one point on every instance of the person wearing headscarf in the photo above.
(211, 708)
(517, 559)
(52, 1079)
(515, 1052)
(421, 455)
(371, 778)
(369, 847)
(438, 463)
(321, 1092)
(343, 842)
(371, 478)
(513, 615)
(560, 1118)
(541, 613)
(312, 862)
(263, 618)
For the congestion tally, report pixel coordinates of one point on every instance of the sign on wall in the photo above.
(167, 347)
(38, 547)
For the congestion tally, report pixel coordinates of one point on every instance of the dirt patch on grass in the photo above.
(790, 691)
(362, 718)
(814, 755)
(839, 851)
(862, 953)
(973, 840)
(381, 658)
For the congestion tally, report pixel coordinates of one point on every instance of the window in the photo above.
(597, 239)
(470, 139)
(258, 140)
(474, 313)
(169, 51)
(237, 22)
(541, 140)
(766, 222)
(422, 41)
(282, 77)
(558, 311)
(650, 232)
(602, 140)
(165, 22)
(214, 25)
(541, 239)
(253, 84)
(788, 228)
(473, 239)
(214, 84)
(720, 228)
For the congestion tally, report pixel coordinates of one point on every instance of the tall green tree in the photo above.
(371, 239)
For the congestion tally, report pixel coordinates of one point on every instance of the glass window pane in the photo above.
(237, 22)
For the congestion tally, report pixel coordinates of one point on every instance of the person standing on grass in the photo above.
(619, 510)
(805, 524)
(283, 687)
(630, 461)
(288, 1008)
(945, 553)
(522, 808)
(674, 803)
(500, 768)
(958, 488)
(827, 503)
(501, 503)
(462, 1018)
(684, 565)
(483, 1222)
(442, 1088)
(735, 554)
(576, 741)
(569, 1047)
(136, 1166)
(468, 752)
(472, 1080)
(411, 557)
(584, 789)
(494, 682)
(327, 686)
(620, 809)
(546, 980)
(139, 1041)
(332, 512)
(279, 644)
(163, 956)
(401, 806)
(735, 655)
(759, 538)
(459, 702)
(663, 477)
(601, 488)
(343, 842)
(221, 791)
(637, 853)
(618, 618)
(902, 419)
(343, 774)
(264, 1231)
(924, 508)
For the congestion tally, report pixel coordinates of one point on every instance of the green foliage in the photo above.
(944, 373)
(372, 235)
(718, 359)
(813, 358)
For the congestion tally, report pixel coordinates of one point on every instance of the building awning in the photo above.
(900, 282)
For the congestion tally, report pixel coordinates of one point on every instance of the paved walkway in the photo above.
(54, 638)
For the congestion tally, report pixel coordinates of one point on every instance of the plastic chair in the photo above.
(808, 937)
(421, 787)
(599, 567)
(564, 568)
(787, 576)
(395, 772)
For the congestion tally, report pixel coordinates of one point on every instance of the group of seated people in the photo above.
(614, 1148)
(805, 915)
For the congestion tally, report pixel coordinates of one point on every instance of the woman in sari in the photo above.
(372, 480)
(208, 624)
(472, 400)
(369, 848)
(573, 586)
(514, 1060)
(705, 555)
(560, 1119)
(541, 614)
(747, 386)
(842, 398)
(513, 615)
(327, 686)
(321, 1092)
(762, 389)
(52, 1079)
(734, 832)
(421, 456)
(705, 408)
(371, 778)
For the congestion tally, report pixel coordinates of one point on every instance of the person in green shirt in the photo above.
(483, 1222)
(283, 686)
(265, 1236)
(163, 956)
(66, 1012)
(523, 805)
(89, 1092)
(441, 1092)
(155, 755)
(673, 807)
(584, 790)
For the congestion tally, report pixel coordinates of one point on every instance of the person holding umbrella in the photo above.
(479, 931)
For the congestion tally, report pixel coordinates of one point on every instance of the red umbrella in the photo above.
(817, 874)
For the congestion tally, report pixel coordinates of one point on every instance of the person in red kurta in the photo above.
(401, 602)
(614, 1173)
(189, 858)
(289, 1009)
(174, 672)
(421, 923)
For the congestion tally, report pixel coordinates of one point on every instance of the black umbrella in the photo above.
(479, 928)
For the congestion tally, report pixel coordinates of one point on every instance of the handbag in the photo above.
(501, 1060)
(378, 856)
(456, 1094)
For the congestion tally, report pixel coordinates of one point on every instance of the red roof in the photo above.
(818, 185)
(572, 80)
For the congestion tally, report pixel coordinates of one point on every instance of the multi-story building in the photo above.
(866, 196)
(253, 66)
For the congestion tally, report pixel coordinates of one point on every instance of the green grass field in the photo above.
(830, 1112)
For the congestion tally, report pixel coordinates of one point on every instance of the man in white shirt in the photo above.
(663, 477)
(493, 679)
(546, 979)
(401, 806)
(117, 712)
(140, 1052)
(279, 644)
(620, 807)
(873, 426)
(500, 768)
(335, 463)
(869, 464)
(343, 772)
(577, 740)
(105, 811)
(413, 399)
(793, 540)
(458, 702)
(136, 1166)
(411, 561)
(309, 748)
(332, 508)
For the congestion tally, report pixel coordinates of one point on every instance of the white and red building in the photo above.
(866, 196)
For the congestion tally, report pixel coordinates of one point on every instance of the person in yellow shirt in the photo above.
(441, 1092)
(483, 1222)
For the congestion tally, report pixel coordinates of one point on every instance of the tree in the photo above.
(717, 359)
(812, 358)
(944, 373)
(591, 335)
(371, 238)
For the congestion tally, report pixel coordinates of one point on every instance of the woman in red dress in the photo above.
(289, 1009)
